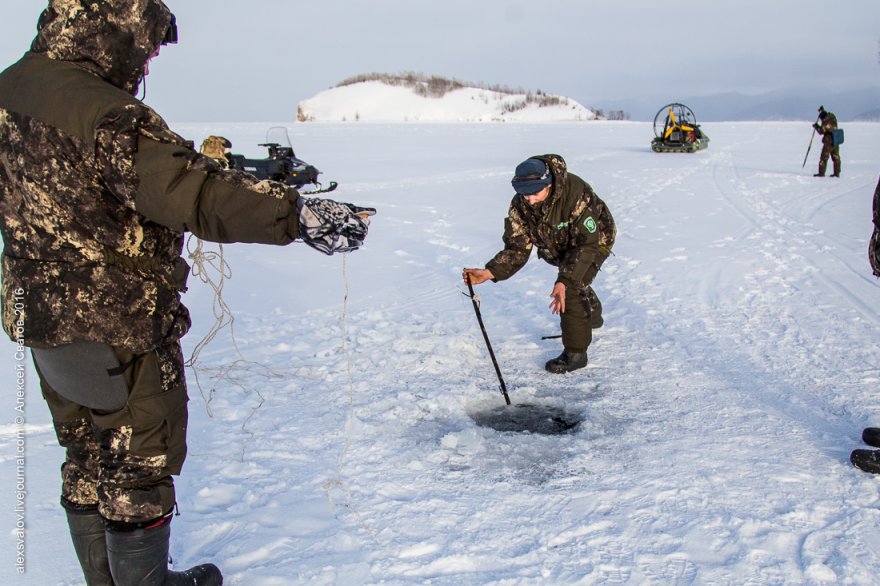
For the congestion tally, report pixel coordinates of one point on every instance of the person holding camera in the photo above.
(96, 194)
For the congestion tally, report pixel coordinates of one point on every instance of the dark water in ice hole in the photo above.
(528, 418)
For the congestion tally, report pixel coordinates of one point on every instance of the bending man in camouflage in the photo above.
(826, 126)
(96, 193)
(572, 228)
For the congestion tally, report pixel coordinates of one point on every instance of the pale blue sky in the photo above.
(240, 61)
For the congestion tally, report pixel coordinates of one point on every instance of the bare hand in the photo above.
(477, 276)
(558, 295)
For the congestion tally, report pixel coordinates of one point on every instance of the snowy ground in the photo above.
(738, 364)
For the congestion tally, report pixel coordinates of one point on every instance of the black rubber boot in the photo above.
(566, 362)
(87, 534)
(867, 460)
(140, 557)
(871, 436)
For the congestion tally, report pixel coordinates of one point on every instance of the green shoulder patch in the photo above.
(590, 225)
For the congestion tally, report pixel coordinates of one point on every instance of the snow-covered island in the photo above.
(415, 97)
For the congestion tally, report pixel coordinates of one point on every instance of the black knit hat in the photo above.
(531, 176)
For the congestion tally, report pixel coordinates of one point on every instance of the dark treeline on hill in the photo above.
(436, 86)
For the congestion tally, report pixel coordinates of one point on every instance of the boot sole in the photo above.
(871, 436)
(562, 369)
(867, 460)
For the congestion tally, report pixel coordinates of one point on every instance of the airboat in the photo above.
(676, 131)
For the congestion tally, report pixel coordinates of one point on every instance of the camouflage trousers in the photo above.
(834, 153)
(121, 462)
(583, 312)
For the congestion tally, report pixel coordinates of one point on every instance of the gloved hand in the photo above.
(331, 226)
(816, 125)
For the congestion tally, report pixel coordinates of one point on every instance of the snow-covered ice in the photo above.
(736, 369)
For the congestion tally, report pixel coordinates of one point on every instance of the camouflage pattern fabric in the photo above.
(573, 230)
(87, 263)
(216, 147)
(79, 473)
(826, 125)
(66, 202)
(874, 245)
(96, 191)
(829, 150)
(111, 38)
(832, 152)
(583, 314)
(122, 461)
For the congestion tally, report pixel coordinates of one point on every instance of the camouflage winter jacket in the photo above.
(825, 128)
(572, 229)
(96, 192)
(874, 244)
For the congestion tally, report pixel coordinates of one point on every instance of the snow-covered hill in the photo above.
(376, 101)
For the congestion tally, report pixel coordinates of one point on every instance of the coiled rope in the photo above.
(205, 263)
(240, 372)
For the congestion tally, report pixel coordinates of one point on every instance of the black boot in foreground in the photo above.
(871, 436)
(566, 362)
(867, 460)
(87, 534)
(140, 557)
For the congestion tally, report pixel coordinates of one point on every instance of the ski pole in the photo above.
(812, 136)
(486, 337)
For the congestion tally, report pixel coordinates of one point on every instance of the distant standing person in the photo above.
(869, 460)
(572, 228)
(826, 125)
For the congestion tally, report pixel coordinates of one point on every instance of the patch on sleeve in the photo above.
(590, 225)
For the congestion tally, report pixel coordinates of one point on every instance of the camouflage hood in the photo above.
(111, 38)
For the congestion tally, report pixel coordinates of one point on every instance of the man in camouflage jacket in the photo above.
(826, 125)
(96, 193)
(869, 460)
(559, 214)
